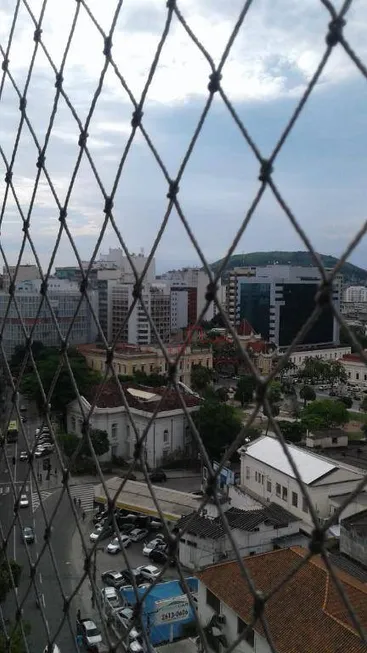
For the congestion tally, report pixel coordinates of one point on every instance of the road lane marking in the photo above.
(40, 578)
(43, 600)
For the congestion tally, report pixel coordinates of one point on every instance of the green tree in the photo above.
(16, 637)
(363, 404)
(200, 377)
(347, 401)
(274, 393)
(334, 372)
(307, 393)
(100, 443)
(292, 431)
(8, 577)
(245, 389)
(324, 414)
(153, 380)
(218, 425)
(63, 392)
(68, 443)
(313, 370)
(38, 349)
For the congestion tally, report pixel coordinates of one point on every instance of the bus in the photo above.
(12, 435)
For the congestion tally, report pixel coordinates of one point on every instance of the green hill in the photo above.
(352, 273)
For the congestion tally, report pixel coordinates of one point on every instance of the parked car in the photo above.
(28, 534)
(155, 524)
(111, 595)
(160, 556)
(158, 476)
(90, 633)
(23, 409)
(126, 616)
(138, 534)
(150, 546)
(149, 572)
(23, 456)
(101, 514)
(128, 576)
(101, 533)
(112, 578)
(115, 545)
(23, 501)
(125, 528)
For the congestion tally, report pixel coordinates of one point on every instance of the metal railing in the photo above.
(33, 15)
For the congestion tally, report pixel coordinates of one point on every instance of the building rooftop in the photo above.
(340, 498)
(139, 397)
(309, 603)
(244, 520)
(136, 497)
(352, 358)
(311, 467)
(356, 523)
(355, 454)
(349, 566)
(127, 350)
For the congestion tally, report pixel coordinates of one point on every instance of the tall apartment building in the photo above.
(135, 327)
(117, 258)
(64, 298)
(278, 299)
(356, 294)
(24, 273)
(196, 281)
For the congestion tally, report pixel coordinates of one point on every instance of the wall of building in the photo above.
(272, 485)
(326, 353)
(353, 545)
(326, 442)
(24, 273)
(356, 371)
(351, 509)
(205, 613)
(167, 435)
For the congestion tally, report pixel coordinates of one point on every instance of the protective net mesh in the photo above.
(30, 619)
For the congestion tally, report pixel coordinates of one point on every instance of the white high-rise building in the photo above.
(117, 257)
(356, 294)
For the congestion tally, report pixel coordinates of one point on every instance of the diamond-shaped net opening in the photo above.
(64, 80)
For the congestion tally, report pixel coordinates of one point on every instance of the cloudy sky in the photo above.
(321, 170)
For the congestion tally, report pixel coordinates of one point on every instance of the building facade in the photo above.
(356, 294)
(129, 359)
(300, 354)
(168, 435)
(304, 615)
(326, 439)
(355, 368)
(353, 537)
(62, 307)
(266, 472)
(23, 273)
(278, 299)
(206, 542)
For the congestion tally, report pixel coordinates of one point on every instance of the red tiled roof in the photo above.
(352, 357)
(110, 397)
(306, 615)
(245, 328)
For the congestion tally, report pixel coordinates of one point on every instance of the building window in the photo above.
(262, 479)
(304, 504)
(247, 473)
(277, 489)
(114, 428)
(165, 436)
(268, 486)
(295, 499)
(241, 627)
(284, 493)
(73, 424)
(255, 476)
(357, 376)
(191, 543)
(212, 601)
(334, 440)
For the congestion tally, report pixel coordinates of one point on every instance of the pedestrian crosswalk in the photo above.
(36, 500)
(84, 494)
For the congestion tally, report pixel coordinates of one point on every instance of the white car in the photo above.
(111, 595)
(91, 633)
(150, 546)
(138, 534)
(39, 451)
(148, 571)
(115, 546)
(126, 616)
(23, 501)
(95, 535)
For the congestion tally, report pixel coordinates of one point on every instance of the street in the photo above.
(59, 563)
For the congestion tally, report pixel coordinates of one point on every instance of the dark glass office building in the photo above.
(254, 306)
(296, 306)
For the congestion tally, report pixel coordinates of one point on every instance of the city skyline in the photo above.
(319, 170)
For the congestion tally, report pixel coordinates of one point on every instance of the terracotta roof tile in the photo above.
(306, 615)
(110, 397)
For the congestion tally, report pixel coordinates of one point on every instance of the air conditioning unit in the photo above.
(221, 619)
